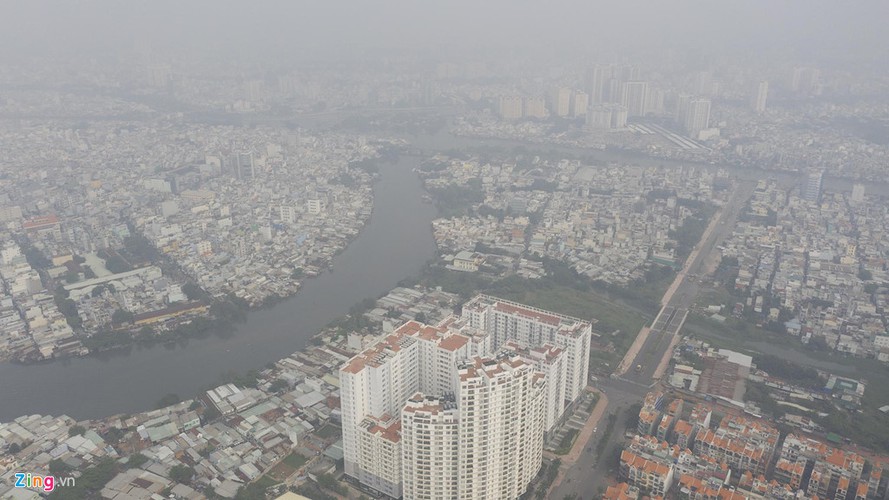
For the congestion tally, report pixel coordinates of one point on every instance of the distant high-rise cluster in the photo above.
(562, 102)
(460, 409)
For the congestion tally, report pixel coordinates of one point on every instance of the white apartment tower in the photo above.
(511, 107)
(532, 327)
(858, 191)
(580, 103)
(501, 427)
(534, 107)
(560, 101)
(760, 95)
(599, 117)
(433, 412)
(697, 117)
(634, 95)
(597, 78)
(429, 453)
(550, 361)
(374, 386)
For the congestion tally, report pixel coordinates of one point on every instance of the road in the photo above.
(684, 291)
(590, 472)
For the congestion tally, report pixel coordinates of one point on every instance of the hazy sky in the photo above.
(267, 25)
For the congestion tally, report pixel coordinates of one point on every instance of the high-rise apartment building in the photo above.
(529, 326)
(599, 117)
(858, 191)
(814, 183)
(634, 96)
(535, 107)
(501, 427)
(449, 405)
(560, 101)
(580, 103)
(597, 82)
(511, 107)
(804, 81)
(550, 361)
(760, 95)
(619, 117)
(430, 447)
(697, 117)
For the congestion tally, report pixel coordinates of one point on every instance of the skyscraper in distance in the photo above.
(634, 96)
(560, 101)
(580, 103)
(814, 184)
(697, 117)
(760, 94)
(857, 193)
(510, 107)
(598, 79)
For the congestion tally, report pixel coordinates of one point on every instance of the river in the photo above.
(395, 244)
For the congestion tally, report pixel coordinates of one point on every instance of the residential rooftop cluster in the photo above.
(810, 263)
(609, 223)
(200, 212)
(691, 448)
(31, 324)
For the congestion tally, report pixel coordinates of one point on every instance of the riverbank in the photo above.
(395, 244)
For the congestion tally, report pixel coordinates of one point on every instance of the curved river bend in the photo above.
(395, 244)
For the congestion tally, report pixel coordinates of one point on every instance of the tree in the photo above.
(90, 482)
(35, 257)
(113, 435)
(136, 460)
(98, 291)
(88, 272)
(278, 386)
(329, 482)
(67, 307)
(632, 414)
(181, 473)
(58, 467)
(211, 414)
(192, 291)
(122, 316)
(421, 317)
(252, 491)
(14, 448)
(76, 430)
